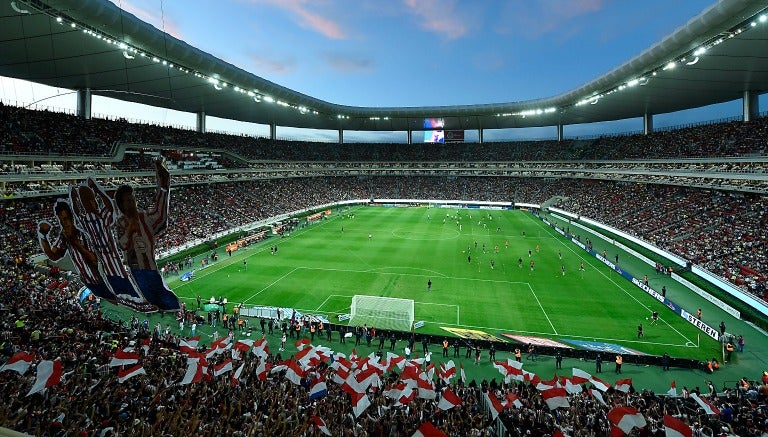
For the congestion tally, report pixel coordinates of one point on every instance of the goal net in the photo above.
(382, 312)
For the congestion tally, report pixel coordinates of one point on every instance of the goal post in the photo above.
(381, 312)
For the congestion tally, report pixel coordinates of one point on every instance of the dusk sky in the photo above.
(412, 52)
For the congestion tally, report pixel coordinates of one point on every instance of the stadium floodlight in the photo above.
(382, 312)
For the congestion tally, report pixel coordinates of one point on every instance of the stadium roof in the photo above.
(76, 44)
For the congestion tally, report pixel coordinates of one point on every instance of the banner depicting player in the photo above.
(100, 243)
(137, 230)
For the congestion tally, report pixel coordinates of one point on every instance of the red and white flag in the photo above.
(623, 385)
(319, 423)
(580, 376)
(447, 371)
(196, 369)
(597, 395)
(513, 401)
(301, 344)
(19, 362)
(555, 398)
(189, 345)
(294, 372)
(676, 427)
(222, 368)
(126, 374)
(48, 375)
(448, 400)
(599, 384)
(494, 405)
(428, 430)
(707, 406)
(626, 418)
(672, 390)
(262, 370)
(236, 375)
(123, 358)
(360, 402)
(260, 348)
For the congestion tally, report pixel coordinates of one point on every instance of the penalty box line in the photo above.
(415, 302)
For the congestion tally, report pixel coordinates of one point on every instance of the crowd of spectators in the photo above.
(25, 131)
(43, 316)
(723, 232)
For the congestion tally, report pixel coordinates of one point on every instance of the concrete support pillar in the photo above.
(410, 136)
(84, 101)
(341, 136)
(559, 132)
(647, 124)
(750, 106)
(480, 135)
(272, 131)
(200, 121)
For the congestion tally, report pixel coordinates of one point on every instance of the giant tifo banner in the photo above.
(111, 242)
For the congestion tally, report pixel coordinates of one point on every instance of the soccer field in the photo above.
(394, 252)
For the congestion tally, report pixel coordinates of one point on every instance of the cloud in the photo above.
(534, 19)
(439, 17)
(153, 17)
(307, 18)
(348, 63)
(262, 63)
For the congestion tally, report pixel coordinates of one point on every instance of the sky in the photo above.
(410, 53)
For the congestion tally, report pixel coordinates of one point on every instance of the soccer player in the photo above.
(532, 265)
(429, 285)
(581, 267)
(562, 269)
(640, 333)
(520, 262)
(492, 264)
(654, 317)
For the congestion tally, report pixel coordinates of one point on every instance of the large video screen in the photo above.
(433, 130)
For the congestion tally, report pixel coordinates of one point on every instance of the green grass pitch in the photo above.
(393, 252)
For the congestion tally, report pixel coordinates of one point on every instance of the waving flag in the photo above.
(123, 358)
(222, 368)
(189, 345)
(623, 385)
(597, 395)
(319, 423)
(318, 388)
(196, 369)
(676, 427)
(513, 401)
(555, 398)
(262, 369)
(236, 376)
(294, 372)
(672, 390)
(48, 375)
(494, 405)
(428, 430)
(626, 418)
(580, 376)
(19, 362)
(448, 400)
(360, 402)
(599, 384)
(707, 406)
(124, 375)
